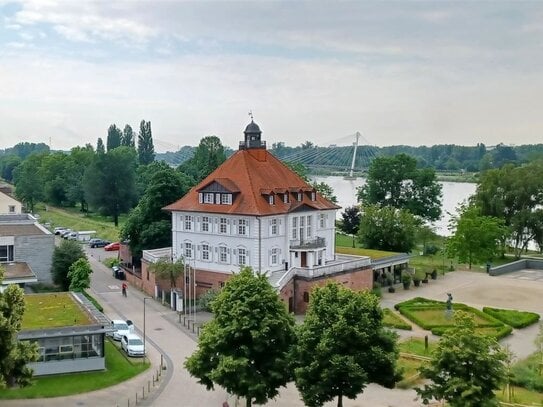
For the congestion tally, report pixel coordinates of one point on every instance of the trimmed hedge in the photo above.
(391, 320)
(93, 300)
(516, 319)
(417, 301)
(498, 332)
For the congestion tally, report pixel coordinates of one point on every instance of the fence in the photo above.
(141, 394)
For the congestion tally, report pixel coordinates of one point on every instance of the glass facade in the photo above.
(71, 347)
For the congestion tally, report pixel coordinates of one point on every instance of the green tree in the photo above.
(14, 354)
(29, 181)
(110, 182)
(80, 158)
(475, 238)
(79, 275)
(53, 171)
(64, 256)
(148, 226)
(168, 270)
(387, 229)
(127, 139)
(325, 190)
(100, 149)
(397, 182)
(146, 150)
(244, 348)
(342, 346)
(350, 221)
(299, 169)
(466, 367)
(114, 135)
(207, 157)
(8, 164)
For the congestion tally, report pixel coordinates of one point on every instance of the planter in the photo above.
(417, 283)
(434, 275)
(391, 290)
(425, 281)
(406, 286)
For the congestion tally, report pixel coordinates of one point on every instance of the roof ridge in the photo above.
(249, 175)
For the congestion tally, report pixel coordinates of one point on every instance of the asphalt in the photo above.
(168, 337)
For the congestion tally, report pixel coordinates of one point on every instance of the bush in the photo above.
(64, 256)
(377, 291)
(526, 373)
(431, 249)
(206, 299)
(517, 319)
(93, 300)
(416, 301)
(111, 261)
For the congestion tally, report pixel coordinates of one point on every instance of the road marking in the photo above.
(113, 287)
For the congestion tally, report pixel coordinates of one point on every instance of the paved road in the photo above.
(167, 336)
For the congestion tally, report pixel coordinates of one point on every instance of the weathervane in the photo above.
(251, 114)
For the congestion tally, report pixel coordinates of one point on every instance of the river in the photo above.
(454, 193)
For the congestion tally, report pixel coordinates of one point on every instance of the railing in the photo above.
(285, 278)
(252, 144)
(315, 243)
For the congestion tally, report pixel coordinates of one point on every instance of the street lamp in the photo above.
(144, 348)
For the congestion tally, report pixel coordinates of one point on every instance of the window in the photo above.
(313, 196)
(205, 252)
(223, 254)
(208, 198)
(188, 250)
(11, 208)
(285, 198)
(271, 200)
(306, 296)
(322, 220)
(295, 228)
(223, 225)
(299, 197)
(242, 227)
(188, 222)
(242, 256)
(205, 223)
(273, 229)
(226, 199)
(302, 227)
(6, 254)
(274, 256)
(309, 226)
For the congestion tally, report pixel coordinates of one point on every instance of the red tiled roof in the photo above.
(252, 172)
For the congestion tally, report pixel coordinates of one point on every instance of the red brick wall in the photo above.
(357, 280)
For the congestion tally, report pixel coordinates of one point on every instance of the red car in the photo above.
(112, 247)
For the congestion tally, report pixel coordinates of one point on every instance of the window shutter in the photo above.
(235, 252)
(200, 197)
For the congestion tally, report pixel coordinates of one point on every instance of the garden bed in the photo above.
(392, 320)
(516, 319)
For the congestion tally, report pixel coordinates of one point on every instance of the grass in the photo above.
(415, 346)
(118, 369)
(52, 310)
(522, 396)
(392, 320)
(344, 245)
(74, 219)
(526, 373)
(410, 372)
(516, 319)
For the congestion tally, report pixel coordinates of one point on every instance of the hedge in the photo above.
(391, 320)
(517, 319)
(417, 301)
(93, 300)
(501, 331)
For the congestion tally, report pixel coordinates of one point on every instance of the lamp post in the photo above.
(144, 348)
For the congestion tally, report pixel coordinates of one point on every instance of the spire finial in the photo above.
(251, 114)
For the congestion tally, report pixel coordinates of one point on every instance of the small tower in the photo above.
(252, 137)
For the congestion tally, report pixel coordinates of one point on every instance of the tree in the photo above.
(244, 348)
(114, 136)
(14, 354)
(325, 190)
(168, 270)
(53, 171)
(397, 182)
(475, 238)
(79, 275)
(110, 182)
(28, 181)
(127, 139)
(80, 158)
(146, 150)
(207, 157)
(350, 220)
(342, 346)
(466, 367)
(148, 226)
(100, 149)
(300, 169)
(387, 229)
(64, 256)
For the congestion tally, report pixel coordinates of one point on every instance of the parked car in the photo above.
(71, 236)
(112, 247)
(120, 328)
(58, 230)
(65, 233)
(98, 243)
(132, 344)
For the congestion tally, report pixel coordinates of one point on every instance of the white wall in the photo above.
(9, 205)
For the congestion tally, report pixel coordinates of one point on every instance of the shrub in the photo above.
(111, 261)
(417, 301)
(431, 249)
(526, 373)
(206, 299)
(377, 291)
(517, 319)
(93, 300)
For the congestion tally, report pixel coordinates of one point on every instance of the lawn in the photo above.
(415, 346)
(392, 320)
(118, 369)
(344, 245)
(72, 218)
(410, 373)
(522, 396)
(53, 310)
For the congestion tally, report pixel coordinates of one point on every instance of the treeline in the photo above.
(443, 157)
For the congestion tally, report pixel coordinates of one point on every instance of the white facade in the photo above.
(9, 205)
(223, 243)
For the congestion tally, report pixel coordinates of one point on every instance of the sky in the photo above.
(408, 72)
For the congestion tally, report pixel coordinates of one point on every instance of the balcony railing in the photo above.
(315, 243)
